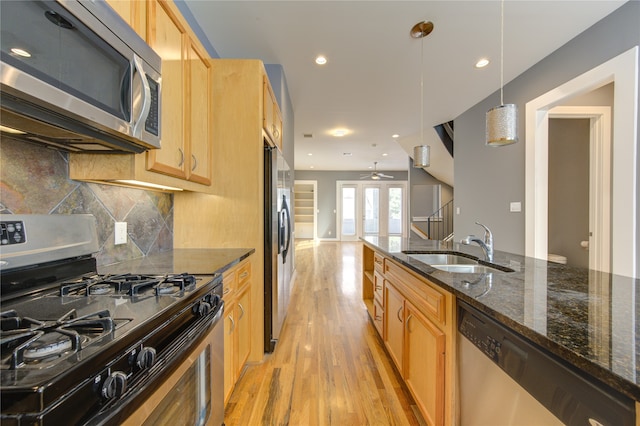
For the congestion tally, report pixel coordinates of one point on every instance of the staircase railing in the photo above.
(440, 223)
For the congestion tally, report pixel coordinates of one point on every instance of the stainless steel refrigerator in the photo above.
(278, 244)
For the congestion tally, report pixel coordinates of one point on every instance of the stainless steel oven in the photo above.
(80, 347)
(193, 393)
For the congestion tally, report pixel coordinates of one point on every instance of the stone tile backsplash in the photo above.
(33, 180)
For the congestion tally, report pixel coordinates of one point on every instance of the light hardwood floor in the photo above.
(329, 366)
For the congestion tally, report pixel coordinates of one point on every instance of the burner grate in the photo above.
(129, 284)
(37, 341)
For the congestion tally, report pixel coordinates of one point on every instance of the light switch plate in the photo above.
(515, 207)
(121, 233)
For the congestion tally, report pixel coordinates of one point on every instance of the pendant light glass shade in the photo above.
(502, 125)
(421, 156)
(502, 121)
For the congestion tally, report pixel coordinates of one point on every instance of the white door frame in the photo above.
(599, 179)
(359, 184)
(358, 210)
(623, 72)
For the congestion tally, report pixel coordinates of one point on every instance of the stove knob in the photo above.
(216, 301)
(203, 308)
(114, 385)
(146, 358)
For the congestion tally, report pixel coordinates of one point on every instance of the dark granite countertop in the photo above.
(192, 261)
(588, 318)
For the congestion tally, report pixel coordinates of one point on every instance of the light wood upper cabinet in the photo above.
(185, 159)
(133, 12)
(186, 107)
(199, 114)
(271, 117)
(167, 36)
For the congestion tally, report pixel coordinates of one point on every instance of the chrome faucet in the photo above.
(486, 245)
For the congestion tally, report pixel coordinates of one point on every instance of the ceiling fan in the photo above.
(375, 174)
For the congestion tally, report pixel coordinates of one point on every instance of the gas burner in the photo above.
(165, 288)
(99, 289)
(52, 344)
(46, 342)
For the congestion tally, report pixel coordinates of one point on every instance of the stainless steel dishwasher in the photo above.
(505, 379)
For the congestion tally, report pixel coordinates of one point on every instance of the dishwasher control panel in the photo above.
(480, 334)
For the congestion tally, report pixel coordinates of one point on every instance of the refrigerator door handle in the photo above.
(285, 211)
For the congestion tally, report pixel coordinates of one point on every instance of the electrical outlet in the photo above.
(121, 233)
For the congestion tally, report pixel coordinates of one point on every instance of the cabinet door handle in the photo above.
(233, 325)
(241, 311)
(181, 162)
(226, 291)
(276, 133)
(195, 162)
(398, 314)
(379, 262)
(244, 275)
(406, 324)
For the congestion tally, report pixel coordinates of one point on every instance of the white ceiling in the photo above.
(371, 83)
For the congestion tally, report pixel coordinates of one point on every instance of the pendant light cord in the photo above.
(501, 51)
(422, 90)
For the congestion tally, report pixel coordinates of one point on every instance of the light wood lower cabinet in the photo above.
(237, 324)
(418, 330)
(424, 354)
(393, 323)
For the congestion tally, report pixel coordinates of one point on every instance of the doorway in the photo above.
(579, 187)
(367, 208)
(622, 71)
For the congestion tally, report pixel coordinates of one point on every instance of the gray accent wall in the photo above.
(326, 193)
(488, 179)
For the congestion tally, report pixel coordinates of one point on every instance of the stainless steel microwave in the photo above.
(75, 76)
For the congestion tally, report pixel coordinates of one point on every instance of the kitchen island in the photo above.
(588, 319)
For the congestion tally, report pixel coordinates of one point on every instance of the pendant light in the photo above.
(421, 153)
(502, 121)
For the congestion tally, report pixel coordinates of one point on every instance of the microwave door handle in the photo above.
(146, 99)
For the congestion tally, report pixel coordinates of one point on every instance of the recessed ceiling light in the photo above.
(310, 154)
(20, 52)
(384, 154)
(347, 154)
(396, 136)
(340, 132)
(321, 60)
(482, 63)
(311, 167)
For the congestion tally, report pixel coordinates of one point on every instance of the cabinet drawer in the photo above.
(229, 284)
(378, 315)
(378, 287)
(428, 299)
(378, 262)
(244, 273)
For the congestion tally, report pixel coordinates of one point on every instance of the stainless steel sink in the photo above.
(455, 263)
(467, 269)
(442, 259)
